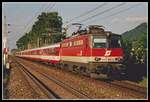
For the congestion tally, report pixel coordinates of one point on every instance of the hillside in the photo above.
(135, 33)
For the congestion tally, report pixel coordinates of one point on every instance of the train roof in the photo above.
(44, 47)
(116, 34)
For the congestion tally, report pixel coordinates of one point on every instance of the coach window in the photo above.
(44, 51)
(65, 44)
(53, 51)
(70, 43)
(33, 52)
(48, 51)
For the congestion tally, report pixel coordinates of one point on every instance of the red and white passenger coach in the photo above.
(45, 54)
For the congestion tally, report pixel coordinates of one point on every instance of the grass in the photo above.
(144, 82)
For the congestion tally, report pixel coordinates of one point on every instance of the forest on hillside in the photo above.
(135, 43)
(135, 47)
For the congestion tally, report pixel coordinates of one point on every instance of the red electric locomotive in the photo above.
(91, 52)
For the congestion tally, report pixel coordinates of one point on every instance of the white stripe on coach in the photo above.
(45, 47)
(42, 57)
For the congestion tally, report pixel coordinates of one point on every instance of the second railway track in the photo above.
(131, 86)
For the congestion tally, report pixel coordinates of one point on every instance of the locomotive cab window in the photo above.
(99, 42)
(115, 43)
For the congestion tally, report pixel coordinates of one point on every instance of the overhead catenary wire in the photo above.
(40, 10)
(49, 5)
(116, 13)
(81, 15)
(30, 21)
(105, 11)
(52, 6)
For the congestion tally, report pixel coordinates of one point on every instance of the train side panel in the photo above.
(44, 54)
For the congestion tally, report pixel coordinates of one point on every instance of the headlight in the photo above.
(120, 59)
(97, 59)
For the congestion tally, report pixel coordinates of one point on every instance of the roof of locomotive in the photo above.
(113, 34)
(81, 35)
(74, 37)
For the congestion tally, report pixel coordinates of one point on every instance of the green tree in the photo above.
(139, 48)
(136, 47)
(127, 45)
(48, 28)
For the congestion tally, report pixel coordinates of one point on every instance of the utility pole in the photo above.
(5, 44)
(38, 42)
(5, 41)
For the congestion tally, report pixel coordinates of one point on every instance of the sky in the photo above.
(22, 15)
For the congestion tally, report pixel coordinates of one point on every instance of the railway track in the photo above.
(131, 86)
(47, 90)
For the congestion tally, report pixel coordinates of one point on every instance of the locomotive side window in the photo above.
(78, 42)
(99, 42)
(73, 43)
(115, 43)
(65, 44)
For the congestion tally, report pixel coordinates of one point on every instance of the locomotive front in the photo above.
(105, 52)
